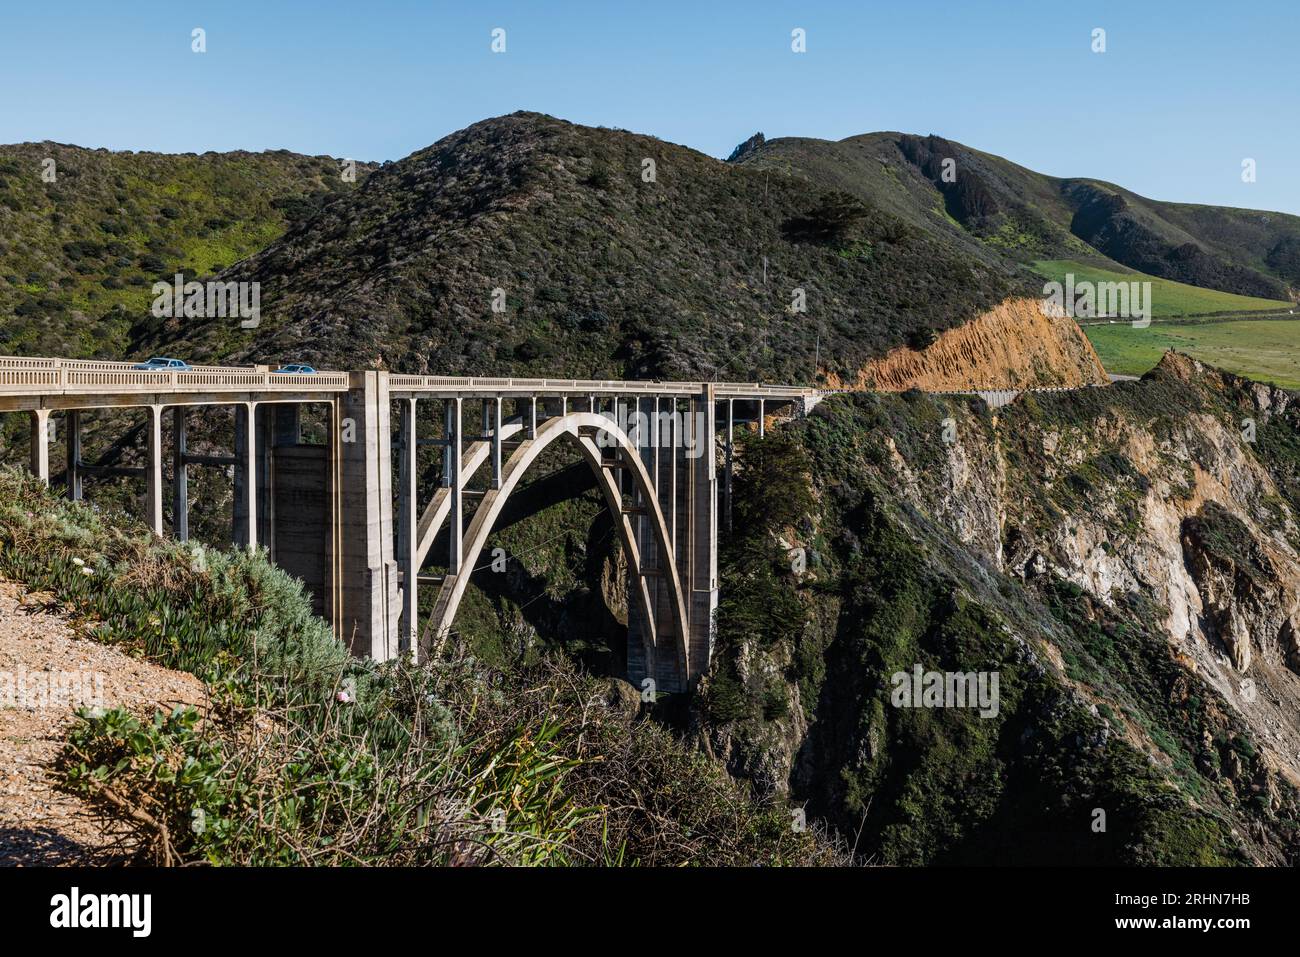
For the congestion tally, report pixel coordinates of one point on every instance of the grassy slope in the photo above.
(1168, 298)
(1267, 350)
(1011, 212)
(78, 256)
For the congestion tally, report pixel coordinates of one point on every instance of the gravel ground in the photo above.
(46, 672)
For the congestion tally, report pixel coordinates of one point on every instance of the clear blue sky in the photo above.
(1184, 92)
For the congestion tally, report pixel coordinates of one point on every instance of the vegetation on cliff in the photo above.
(867, 545)
(308, 756)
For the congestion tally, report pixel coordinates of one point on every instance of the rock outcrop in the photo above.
(1127, 558)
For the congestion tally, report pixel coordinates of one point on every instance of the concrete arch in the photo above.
(580, 428)
(435, 513)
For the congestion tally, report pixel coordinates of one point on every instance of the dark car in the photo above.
(162, 364)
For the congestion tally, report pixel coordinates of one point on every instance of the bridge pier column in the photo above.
(269, 427)
(74, 489)
(407, 526)
(656, 561)
(247, 475)
(154, 474)
(368, 594)
(493, 414)
(40, 454)
(674, 455)
(639, 654)
(180, 477)
(656, 439)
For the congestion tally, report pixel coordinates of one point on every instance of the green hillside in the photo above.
(526, 244)
(1005, 211)
(1267, 350)
(1168, 298)
(79, 255)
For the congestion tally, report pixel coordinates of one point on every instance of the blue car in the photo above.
(162, 364)
(297, 368)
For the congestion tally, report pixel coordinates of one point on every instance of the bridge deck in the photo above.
(68, 377)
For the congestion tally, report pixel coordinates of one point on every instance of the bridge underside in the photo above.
(332, 515)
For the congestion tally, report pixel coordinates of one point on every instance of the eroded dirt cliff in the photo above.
(1012, 346)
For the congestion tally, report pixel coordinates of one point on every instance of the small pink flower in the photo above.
(344, 697)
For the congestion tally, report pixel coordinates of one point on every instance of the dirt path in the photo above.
(46, 673)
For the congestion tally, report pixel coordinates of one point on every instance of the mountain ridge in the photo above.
(1032, 215)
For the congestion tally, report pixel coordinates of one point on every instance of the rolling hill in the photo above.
(999, 210)
(528, 244)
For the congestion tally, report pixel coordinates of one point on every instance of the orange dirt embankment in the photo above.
(1012, 346)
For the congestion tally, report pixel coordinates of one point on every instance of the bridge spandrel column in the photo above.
(247, 475)
(74, 489)
(639, 427)
(493, 416)
(452, 479)
(702, 532)
(180, 477)
(408, 525)
(730, 458)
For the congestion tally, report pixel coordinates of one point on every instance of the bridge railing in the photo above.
(418, 383)
(105, 365)
(38, 374)
(78, 376)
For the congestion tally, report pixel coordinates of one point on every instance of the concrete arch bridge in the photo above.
(358, 517)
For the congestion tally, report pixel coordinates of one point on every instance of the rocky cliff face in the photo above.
(1012, 346)
(1126, 558)
(1180, 507)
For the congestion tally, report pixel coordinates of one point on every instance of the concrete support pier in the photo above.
(407, 538)
(702, 524)
(180, 477)
(369, 601)
(153, 469)
(40, 455)
(73, 473)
